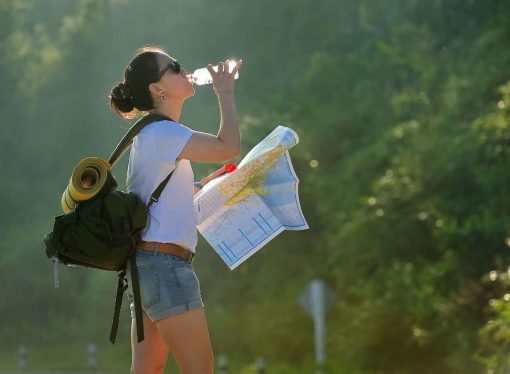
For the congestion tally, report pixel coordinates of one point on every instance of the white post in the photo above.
(22, 359)
(223, 364)
(319, 318)
(261, 365)
(92, 350)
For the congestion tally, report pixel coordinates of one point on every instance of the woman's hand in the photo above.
(223, 80)
(215, 174)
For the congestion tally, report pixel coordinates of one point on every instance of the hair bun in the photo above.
(122, 98)
(122, 92)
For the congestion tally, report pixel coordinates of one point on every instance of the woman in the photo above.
(173, 312)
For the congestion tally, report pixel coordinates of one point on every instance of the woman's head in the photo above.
(151, 79)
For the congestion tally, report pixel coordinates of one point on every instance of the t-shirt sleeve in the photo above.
(170, 139)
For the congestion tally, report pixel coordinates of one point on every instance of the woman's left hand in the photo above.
(213, 175)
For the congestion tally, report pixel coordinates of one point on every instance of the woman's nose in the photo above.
(184, 71)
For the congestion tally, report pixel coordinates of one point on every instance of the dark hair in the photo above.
(132, 95)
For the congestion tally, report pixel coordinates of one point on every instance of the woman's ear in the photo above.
(155, 89)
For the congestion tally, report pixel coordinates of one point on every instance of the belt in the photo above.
(168, 248)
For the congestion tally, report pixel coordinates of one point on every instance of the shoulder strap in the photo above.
(127, 140)
(155, 195)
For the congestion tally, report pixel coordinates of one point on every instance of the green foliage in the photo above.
(402, 108)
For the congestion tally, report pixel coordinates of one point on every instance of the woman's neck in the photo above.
(170, 108)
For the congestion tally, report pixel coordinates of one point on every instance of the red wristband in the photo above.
(229, 168)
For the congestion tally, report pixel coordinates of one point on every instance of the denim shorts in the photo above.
(168, 285)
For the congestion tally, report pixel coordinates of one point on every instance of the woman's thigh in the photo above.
(187, 336)
(149, 356)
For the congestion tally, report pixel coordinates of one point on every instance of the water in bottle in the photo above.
(202, 76)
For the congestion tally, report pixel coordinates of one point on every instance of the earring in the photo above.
(163, 97)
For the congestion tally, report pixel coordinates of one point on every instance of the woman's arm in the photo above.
(226, 145)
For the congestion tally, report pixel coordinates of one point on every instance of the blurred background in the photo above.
(402, 107)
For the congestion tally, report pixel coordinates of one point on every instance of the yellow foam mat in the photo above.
(88, 178)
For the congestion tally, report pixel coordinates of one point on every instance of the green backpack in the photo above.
(102, 232)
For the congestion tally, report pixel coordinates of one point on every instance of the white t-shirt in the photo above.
(152, 157)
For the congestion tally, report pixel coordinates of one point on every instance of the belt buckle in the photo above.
(190, 257)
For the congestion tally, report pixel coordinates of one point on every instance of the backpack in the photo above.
(102, 232)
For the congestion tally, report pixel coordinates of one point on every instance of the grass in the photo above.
(116, 359)
(73, 357)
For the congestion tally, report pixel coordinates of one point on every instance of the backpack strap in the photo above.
(155, 195)
(118, 303)
(127, 140)
(137, 301)
(136, 296)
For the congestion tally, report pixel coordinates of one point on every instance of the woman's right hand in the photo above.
(223, 80)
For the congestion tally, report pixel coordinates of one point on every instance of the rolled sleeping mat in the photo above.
(88, 178)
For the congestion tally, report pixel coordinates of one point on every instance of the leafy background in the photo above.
(403, 112)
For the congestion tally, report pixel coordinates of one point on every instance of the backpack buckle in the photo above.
(152, 200)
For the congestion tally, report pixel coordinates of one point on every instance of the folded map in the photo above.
(240, 212)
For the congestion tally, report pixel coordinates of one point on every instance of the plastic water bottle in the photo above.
(202, 76)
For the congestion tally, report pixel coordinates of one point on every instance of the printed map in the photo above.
(240, 212)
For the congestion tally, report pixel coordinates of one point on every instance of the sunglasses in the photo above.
(173, 65)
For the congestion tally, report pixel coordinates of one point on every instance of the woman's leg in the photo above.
(187, 336)
(149, 356)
